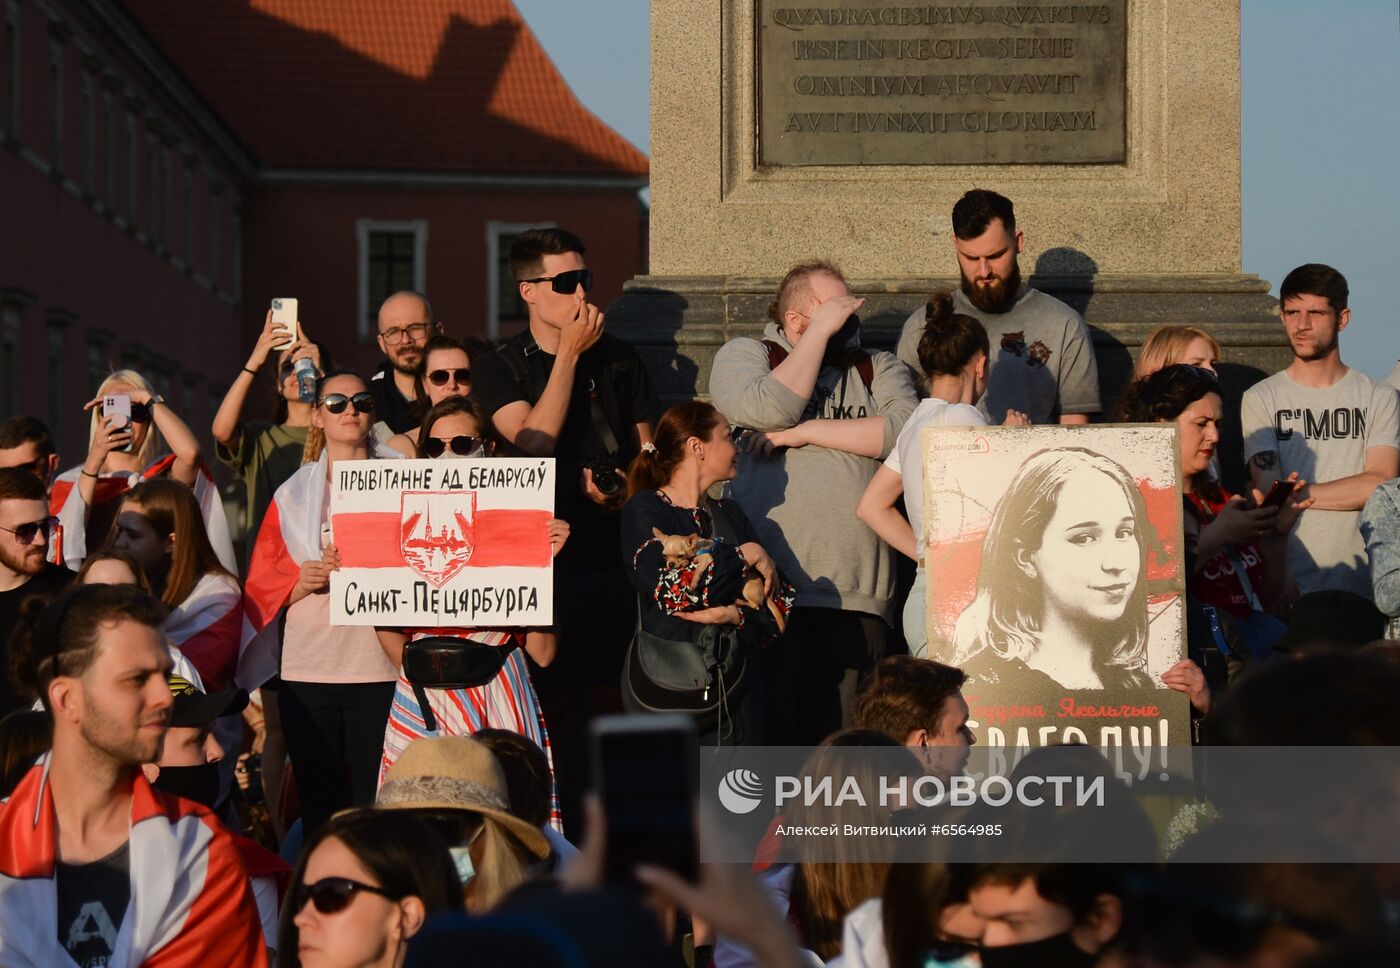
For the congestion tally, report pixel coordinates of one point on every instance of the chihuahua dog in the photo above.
(681, 552)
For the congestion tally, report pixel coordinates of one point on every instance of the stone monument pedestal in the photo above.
(783, 132)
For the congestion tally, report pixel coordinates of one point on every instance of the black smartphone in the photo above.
(645, 771)
(1278, 494)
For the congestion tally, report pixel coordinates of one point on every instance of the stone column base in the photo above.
(679, 322)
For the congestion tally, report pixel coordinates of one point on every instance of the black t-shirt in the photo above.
(52, 580)
(628, 398)
(391, 406)
(92, 902)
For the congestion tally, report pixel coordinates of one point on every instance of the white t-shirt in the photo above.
(1393, 377)
(1323, 433)
(907, 458)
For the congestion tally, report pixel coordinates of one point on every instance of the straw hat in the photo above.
(455, 773)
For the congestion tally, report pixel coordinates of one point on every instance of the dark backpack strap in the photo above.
(601, 425)
(514, 356)
(865, 366)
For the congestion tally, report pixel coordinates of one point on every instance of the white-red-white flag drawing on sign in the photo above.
(455, 543)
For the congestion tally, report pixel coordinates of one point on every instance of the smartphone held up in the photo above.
(116, 408)
(645, 771)
(284, 316)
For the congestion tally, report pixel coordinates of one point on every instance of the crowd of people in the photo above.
(200, 768)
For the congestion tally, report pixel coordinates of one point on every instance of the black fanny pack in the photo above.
(444, 662)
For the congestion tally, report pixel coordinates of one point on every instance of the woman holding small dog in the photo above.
(691, 571)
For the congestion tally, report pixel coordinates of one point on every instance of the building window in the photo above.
(166, 201)
(89, 133)
(58, 403)
(504, 307)
(10, 103)
(187, 206)
(131, 166)
(152, 188)
(10, 357)
(99, 363)
(56, 94)
(215, 201)
(236, 231)
(392, 256)
(109, 151)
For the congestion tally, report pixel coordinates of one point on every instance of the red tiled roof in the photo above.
(423, 85)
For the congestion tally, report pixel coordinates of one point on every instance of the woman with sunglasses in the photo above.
(263, 453)
(365, 884)
(1236, 546)
(336, 682)
(120, 456)
(453, 429)
(445, 372)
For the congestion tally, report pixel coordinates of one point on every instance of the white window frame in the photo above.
(494, 231)
(363, 228)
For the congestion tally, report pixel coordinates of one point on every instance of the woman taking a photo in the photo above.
(337, 683)
(953, 355)
(1236, 547)
(263, 454)
(444, 373)
(454, 429)
(366, 883)
(668, 483)
(122, 454)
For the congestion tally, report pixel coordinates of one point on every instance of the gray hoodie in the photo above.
(802, 501)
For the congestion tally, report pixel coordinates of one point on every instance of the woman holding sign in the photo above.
(1236, 546)
(453, 429)
(337, 683)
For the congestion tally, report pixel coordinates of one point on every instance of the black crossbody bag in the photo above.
(445, 662)
(696, 678)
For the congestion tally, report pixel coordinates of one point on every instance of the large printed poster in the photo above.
(1055, 580)
(451, 543)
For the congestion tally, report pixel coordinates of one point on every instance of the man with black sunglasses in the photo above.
(564, 388)
(406, 321)
(25, 526)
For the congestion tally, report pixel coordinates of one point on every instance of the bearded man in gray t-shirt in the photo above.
(1338, 429)
(1042, 360)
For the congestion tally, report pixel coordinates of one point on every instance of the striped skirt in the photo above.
(506, 702)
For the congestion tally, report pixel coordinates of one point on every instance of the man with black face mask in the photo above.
(189, 767)
(1045, 915)
(1042, 361)
(820, 414)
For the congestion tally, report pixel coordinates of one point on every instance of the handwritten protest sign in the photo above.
(1056, 581)
(450, 543)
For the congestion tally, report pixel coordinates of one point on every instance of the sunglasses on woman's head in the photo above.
(363, 402)
(461, 445)
(567, 282)
(140, 412)
(333, 894)
(438, 378)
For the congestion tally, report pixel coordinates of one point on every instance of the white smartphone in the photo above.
(118, 405)
(284, 314)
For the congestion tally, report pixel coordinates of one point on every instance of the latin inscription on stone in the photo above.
(941, 85)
